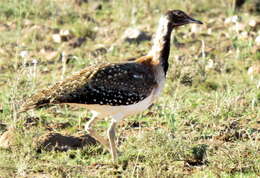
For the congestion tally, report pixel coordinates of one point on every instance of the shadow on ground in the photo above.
(58, 142)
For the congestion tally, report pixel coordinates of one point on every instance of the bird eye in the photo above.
(178, 13)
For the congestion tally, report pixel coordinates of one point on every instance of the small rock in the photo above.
(56, 38)
(238, 27)
(64, 33)
(134, 35)
(24, 54)
(51, 55)
(77, 42)
(99, 51)
(48, 54)
(257, 40)
(250, 70)
(252, 23)
(27, 22)
(7, 138)
(45, 70)
(232, 19)
(209, 31)
(66, 58)
(210, 65)
(61, 35)
(88, 18)
(195, 28)
(34, 61)
(97, 6)
(254, 69)
(244, 35)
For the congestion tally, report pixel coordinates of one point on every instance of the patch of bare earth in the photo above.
(58, 142)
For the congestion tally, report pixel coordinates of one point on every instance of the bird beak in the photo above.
(191, 20)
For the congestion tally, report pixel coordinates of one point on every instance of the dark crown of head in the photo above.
(178, 18)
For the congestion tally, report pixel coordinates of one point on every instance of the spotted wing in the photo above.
(115, 84)
(112, 84)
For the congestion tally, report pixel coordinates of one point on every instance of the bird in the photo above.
(116, 90)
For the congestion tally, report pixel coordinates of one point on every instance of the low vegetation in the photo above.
(205, 124)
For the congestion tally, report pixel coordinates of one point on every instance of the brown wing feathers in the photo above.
(111, 84)
(60, 89)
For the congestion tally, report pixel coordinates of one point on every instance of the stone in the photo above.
(134, 35)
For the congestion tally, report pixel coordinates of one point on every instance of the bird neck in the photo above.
(161, 44)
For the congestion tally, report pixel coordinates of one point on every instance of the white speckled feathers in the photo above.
(108, 84)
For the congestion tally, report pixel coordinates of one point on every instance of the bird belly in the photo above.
(122, 110)
(160, 79)
(160, 87)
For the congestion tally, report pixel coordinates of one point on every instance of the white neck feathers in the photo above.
(159, 38)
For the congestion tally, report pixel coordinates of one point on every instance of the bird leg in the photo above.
(111, 137)
(93, 133)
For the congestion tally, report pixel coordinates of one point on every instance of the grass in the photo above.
(205, 124)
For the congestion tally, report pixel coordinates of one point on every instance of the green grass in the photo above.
(205, 124)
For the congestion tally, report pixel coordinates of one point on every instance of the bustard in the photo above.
(117, 90)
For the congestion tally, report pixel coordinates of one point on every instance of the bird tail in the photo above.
(28, 106)
(25, 107)
(36, 101)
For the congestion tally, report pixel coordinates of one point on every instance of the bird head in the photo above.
(178, 18)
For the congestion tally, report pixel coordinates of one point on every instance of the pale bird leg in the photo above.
(111, 136)
(93, 133)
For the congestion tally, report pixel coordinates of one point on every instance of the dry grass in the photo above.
(206, 123)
